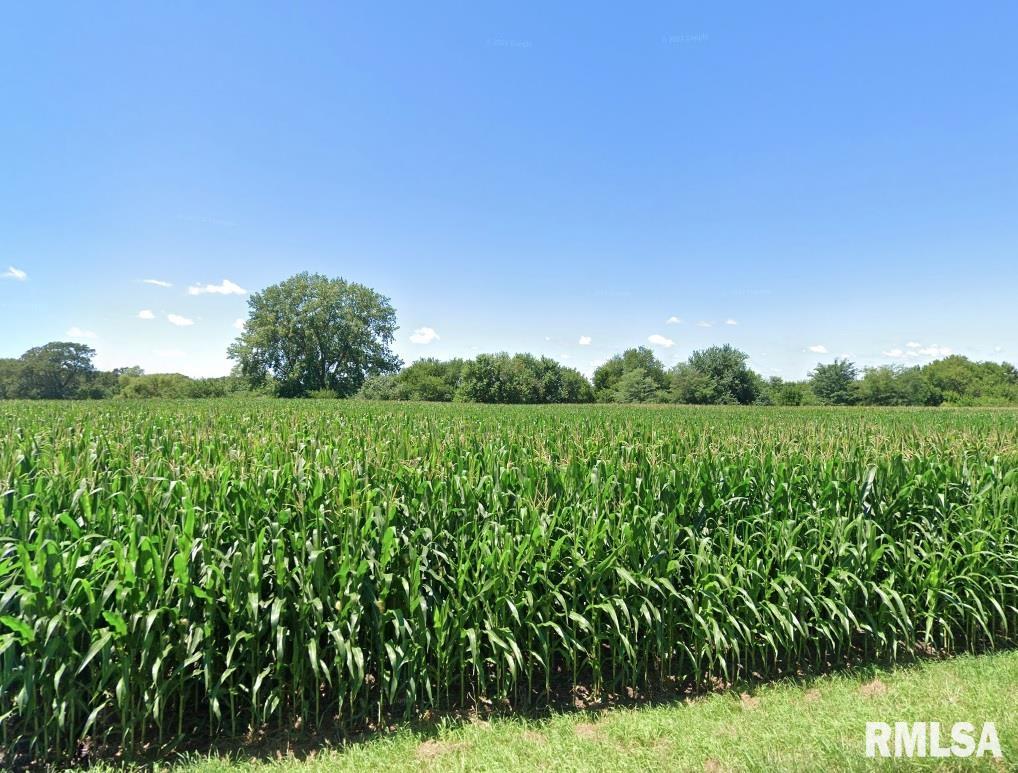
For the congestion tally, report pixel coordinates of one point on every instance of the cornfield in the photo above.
(200, 569)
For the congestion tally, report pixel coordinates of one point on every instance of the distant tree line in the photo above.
(717, 375)
(62, 370)
(315, 336)
(953, 380)
(488, 378)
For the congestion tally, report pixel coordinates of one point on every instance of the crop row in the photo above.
(175, 570)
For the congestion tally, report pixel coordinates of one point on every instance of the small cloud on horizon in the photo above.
(704, 323)
(146, 314)
(77, 332)
(157, 282)
(673, 321)
(914, 349)
(659, 340)
(584, 341)
(14, 273)
(818, 349)
(179, 321)
(424, 335)
(731, 321)
(239, 324)
(225, 288)
(935, 351)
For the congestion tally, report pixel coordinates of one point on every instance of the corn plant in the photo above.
(195, 569)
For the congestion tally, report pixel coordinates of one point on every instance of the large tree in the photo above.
(690, 386)
(520, 378)
(718, 375)
(834, 383)
(59, 370)
(315, 333)
(10, 378)
(636, 386)
(608, 375)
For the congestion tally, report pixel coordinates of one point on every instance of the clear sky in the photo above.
(525, 178)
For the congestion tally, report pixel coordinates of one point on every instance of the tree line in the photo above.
(717, 375)
(315, 336)
(64, 370)
(487, 378)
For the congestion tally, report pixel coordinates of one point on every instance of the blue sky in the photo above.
(519, 178)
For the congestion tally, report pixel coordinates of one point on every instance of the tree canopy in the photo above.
(895, 385)
(343, 316)
(521, 378)
(488, 378)
(59, 370)
(636, 386)
(608, 375)
(833, 383)
(311, 333)
(722, 376)
(961, 381)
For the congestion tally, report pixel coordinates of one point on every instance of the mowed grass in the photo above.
(814, 726)
(179, 573)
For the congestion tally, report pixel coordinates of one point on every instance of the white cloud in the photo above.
(660, 340)
(703, 323)
(157, 282)
(584, 340)
(673, 321)
(998, 348)
(226, 288)
(239, 324)
(77, 332)
(170, 354)
(818, 349)
(146, 314)
(179, 321)
(14, 273)
(914, 349)
(424, 335)
(730, 321)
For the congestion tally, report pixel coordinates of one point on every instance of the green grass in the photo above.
(174, 571)
(802, 726)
